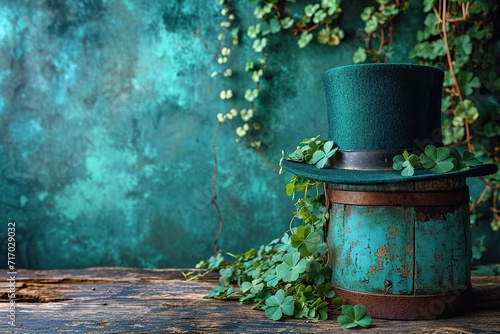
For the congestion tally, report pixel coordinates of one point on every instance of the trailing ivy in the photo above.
(459, 36)
(317, 20)
(289, 276)
(378, 30)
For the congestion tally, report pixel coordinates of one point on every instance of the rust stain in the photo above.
(348, 260)
(404, 272)
(438, 257)
(374, 269)
(393, 231)
(409, 250)
(354, 244)
(382, 252)
(348, 210)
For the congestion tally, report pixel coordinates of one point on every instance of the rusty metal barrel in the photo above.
(403, 250)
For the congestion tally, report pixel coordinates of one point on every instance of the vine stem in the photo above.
(444, 19)
(203, 41)
(214, 190)
(480, 199)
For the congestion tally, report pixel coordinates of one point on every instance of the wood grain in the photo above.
(128, 300)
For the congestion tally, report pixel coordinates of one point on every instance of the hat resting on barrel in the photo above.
(375, 112)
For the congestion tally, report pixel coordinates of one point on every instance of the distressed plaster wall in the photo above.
(107, 114)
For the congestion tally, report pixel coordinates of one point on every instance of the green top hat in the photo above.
(375, 112)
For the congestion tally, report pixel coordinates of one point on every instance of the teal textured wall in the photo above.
(107, 114)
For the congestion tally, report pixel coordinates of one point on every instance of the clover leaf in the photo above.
(319, 310)
(291, 267)
(359, 55)
(407, 162)
(309, 10)
(317, 272)
(304, 39)
(225, 276)
(466, 108)
(219, 292)
(465, 161)
(287, 22)
(278, 305)
(354, 316)
(320, 157)
(305, 241)
(437, 160)
(325, 290)
(254, 287)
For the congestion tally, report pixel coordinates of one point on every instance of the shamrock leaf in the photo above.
(337, 302)
(317, 272)
(407, 162)
(318, 310)
(309, 10)
(291, 267)
(304, 39)
(354, 316)
(225, 276)
(465, 161)
(397, 162)
(470, 159)
(408, 169)
(437, 160)
(305, 240)
(296, 155)
(359, 55)
(320, 157)
(220, 292)
(254, 287)
(287, 22)
(466, 108)
(325, 290)
(271, 279)
(278, 304)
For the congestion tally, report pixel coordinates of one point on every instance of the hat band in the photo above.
(365, 159)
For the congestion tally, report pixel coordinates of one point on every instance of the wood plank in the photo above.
(159, 301)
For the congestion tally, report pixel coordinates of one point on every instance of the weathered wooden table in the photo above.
(123, 300)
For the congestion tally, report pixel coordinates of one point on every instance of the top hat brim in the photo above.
(363, 177)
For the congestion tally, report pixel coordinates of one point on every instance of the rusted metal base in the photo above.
(410, 307)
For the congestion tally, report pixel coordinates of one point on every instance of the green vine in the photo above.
(378, 30)
(317, 20)
(459, 37)
(290, 275)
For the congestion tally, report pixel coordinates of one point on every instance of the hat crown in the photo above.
(383, 106)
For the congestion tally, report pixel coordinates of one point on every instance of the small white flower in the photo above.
(240, 131)
(234, 112)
